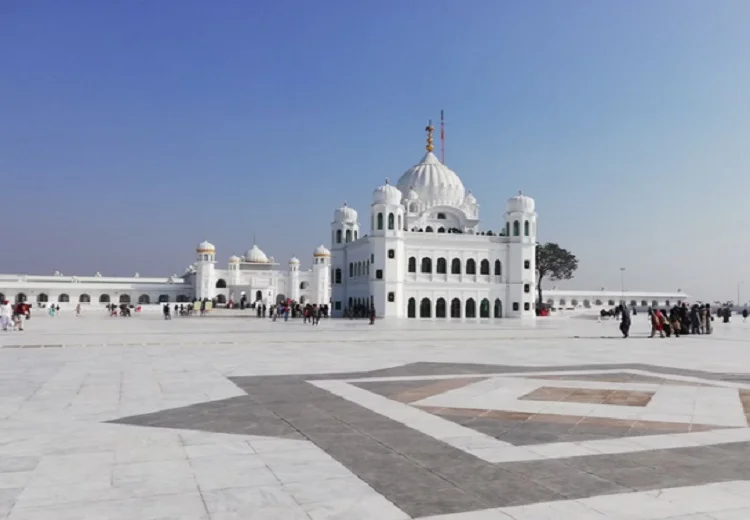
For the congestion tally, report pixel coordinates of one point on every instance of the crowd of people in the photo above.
(680, 320)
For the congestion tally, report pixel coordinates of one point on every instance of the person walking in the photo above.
(625, 322)
(167, 312)
(6, 312)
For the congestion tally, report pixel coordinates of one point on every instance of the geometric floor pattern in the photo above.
(462, 458)
(228, 417)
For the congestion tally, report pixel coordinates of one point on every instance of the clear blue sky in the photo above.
(130, 131)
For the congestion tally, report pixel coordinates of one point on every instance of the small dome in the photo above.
(345, 214)
(234, 259)
(412, 195)
(294, 261)
(256, 256)
(434, 182)
(521, 204)
(205, 247)
(321, 250)
(470, 199)
(386, 194)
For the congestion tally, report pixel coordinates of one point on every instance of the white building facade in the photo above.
(255, 276)
(425, 256)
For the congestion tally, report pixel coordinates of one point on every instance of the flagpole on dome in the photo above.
(442, 138)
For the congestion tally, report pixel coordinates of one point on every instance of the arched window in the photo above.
(303, 299)
(104, 298)
(84, 298)
(507, 229)
(399, 222)
(455, 308)
(612, 302)
(144, 299)
(411, 309)
(304, 285)
(498, 268)
(258, 295)
(428, 229)
(351, 269)
(574, 302)
(484, 308)
(525, 228)
(40, 298)
(598, 302)
(654, 303)
(425, 308)
(20, 297)
(348, 235)
(391, 221)
(412, 264)
(440, 308)
(471, 266)
(498, 308)
(442, 266)
(338, 236)
(221, 299)
(63, 298)
(644, 303)
(562, 302)
(221, 284)
(182, 298)
(441, 229)
(163, 298)
(471, 308)
(516, 228)
(367, 271)
(587, 304)
(633, 303)
(337, 276)
(380, 221)
(426, 265)
(124, 298)
(484, 268)
(455, 266)
(356, 235)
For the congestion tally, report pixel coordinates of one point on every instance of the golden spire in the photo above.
(429, 129)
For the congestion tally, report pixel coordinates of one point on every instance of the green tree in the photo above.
(555, 263)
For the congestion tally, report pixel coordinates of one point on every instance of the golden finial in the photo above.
(429, 131)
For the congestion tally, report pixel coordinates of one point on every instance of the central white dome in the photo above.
(256, 256)
(433, 182)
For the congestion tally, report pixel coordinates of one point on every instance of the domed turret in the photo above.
(386, 194)
(470, 199)
(345, 214)
(205, 247)
(256, 256)
(321, 251)
(521, 204)
(294, 261)
(234, 259)
(412, 195)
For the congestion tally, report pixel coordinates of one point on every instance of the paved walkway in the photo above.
(238, 418)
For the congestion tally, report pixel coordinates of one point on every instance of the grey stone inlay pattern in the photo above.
(424, 476)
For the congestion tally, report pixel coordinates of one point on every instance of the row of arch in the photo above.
(517, 228)
(349, 235)
(359, 268)
(441, 266)
(391, 221)
(457, 309)
(104, 298)
(587, 303)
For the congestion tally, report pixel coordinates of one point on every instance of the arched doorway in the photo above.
(84, 298)
(440, 308)
(40, 298)
(471, 308)
(63, 298)
(124, 298)
(425, 308)
(279, 298)
(163, 298)
(259, 295)
(221, 299)
(484, 308)
(303, 299)
(455, 308)
(104, 298)
(144, 299)
(411, 308)
(498, 308)
(20, 297)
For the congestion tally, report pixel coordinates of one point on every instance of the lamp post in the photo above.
(738, 293)
(622, 284)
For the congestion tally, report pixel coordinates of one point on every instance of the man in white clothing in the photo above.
(6, 311)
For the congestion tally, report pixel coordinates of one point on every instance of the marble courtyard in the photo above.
(226, 417)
